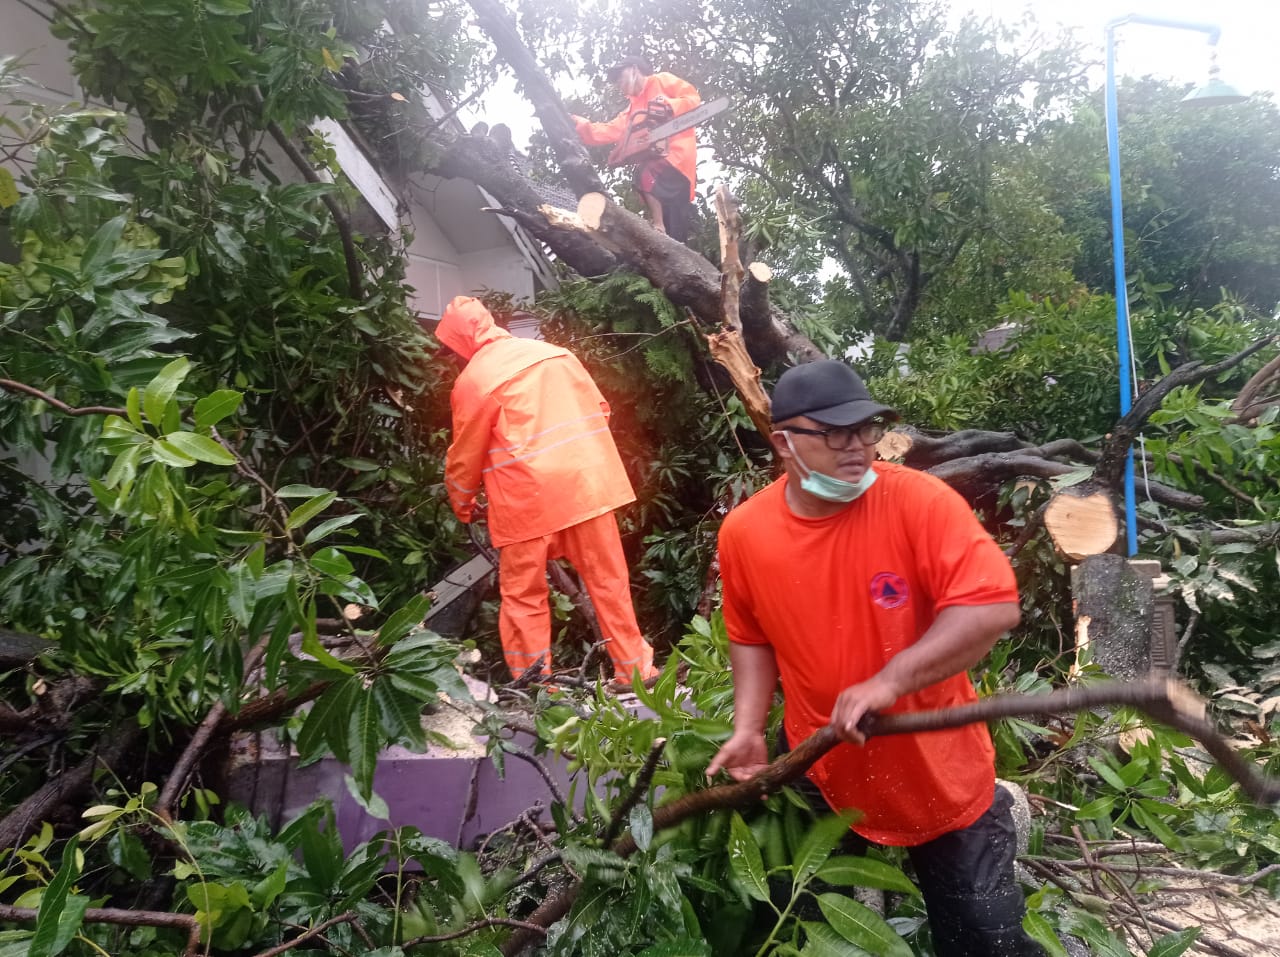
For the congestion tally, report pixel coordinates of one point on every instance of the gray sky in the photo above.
(1246, 52)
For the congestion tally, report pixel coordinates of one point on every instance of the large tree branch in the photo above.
(124, 918)
(1167, 701)
(1110, 468)
(355, 273)
(61, 406)
(568, 149)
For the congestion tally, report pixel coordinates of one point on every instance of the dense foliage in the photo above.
(222, 431)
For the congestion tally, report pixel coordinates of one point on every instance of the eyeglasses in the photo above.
(841, 437)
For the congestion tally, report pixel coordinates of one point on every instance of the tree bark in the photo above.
(20, 823)
(570, 154)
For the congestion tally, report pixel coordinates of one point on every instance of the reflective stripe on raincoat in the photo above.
(682, 148)
(531, 426)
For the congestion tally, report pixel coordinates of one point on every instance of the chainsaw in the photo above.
(646, 135)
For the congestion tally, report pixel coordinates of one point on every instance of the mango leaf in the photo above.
(401, 713)
(853, 871)
(53, 903)
(365, 739)
(161, 389)
(372, 803)
(310, 509)
(1042, 932)
(403, 620)
(330, 525)
(327, 721)
(861, 925)
(1175, 944)
(822, 941)
(745, 859)
(216, 406)
(200, 447)
(818, 843)
(306, 616)
(101, 245)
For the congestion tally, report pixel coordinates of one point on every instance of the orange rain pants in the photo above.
(524, 621)
(531, 426)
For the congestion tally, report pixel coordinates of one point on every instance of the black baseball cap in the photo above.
(639, 62)
(828, 391)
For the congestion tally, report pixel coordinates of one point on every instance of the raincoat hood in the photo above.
(467, 325)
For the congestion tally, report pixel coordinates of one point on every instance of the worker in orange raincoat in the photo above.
(666, 183)
(530, 426)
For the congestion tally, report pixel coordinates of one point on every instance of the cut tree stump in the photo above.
(1113, 605)
(1081, 523)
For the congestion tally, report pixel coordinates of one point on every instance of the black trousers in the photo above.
(671, 189)
(974, 903)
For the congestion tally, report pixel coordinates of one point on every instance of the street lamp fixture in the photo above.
(1213, 93)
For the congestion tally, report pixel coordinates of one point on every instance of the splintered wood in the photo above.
(727, 346)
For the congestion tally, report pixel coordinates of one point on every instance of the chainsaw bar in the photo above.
(640, 141)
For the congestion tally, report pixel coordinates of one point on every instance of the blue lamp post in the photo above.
(1213, 93)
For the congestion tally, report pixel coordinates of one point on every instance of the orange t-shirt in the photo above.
(836, 598)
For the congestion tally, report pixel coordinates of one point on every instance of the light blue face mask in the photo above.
(828, 487)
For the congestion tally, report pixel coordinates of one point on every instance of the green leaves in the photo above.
(310, 509)
(60, 911)
(856, 871)
(1175, 944)
(860, 925)
(102, 245)
(215, 407)
(745, 860)
(200, 448)
(818, 843)
(161, 389)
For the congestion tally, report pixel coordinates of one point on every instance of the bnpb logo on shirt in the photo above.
(889, 590)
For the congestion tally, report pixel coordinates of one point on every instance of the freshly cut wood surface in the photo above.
(1081, 524)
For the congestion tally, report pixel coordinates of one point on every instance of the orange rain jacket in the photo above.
(528, 422)
(682, 148)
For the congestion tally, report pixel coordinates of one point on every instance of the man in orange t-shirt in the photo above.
(873, 589)
(664, 182)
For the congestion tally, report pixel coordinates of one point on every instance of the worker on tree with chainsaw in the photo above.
(665, 175)
(531, 429)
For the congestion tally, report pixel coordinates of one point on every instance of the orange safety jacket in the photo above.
(682, 148)
(530, 424)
